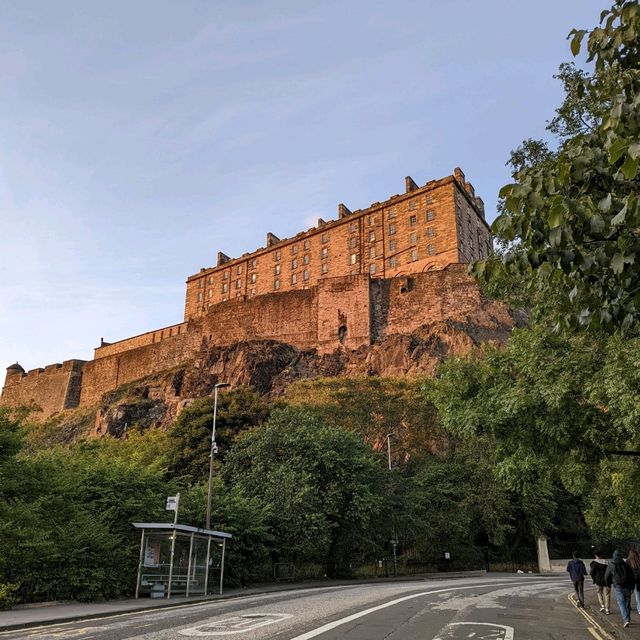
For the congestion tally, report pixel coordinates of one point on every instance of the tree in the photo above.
(190, 436)
(552, 408)
(570, 226)
(320, 485)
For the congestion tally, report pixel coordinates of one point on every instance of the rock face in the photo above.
(270, 366)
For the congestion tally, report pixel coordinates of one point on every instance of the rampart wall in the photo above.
(54, 388)
(346, 312)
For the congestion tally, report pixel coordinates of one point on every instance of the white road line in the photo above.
(337, 623)
(236, 624)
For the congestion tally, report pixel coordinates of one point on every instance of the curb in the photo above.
(215, 598)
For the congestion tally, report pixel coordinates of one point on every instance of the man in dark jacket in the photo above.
(597, 569)
(577, 572)
(619, 576)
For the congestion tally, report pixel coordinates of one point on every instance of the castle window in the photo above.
(210, 293)
(413, 205)
(372, 251)
(276, 269)
(277, 255)
(294, 249)
(325, 252)
(252, 279)
(225, 288)
(431, 249)
(210, 279)
(252, 264)
(353, 243)
(352, 227)
(431, 232)
(393, 245)
(428, 199)
(413, 220)
(413, 238)
(430, 216)
(200, 297)
(305, 245)
(371, 221)
(238, 283)
(325, 237)
(305, 259)
(391, 213)
(393, 262)
(325, 267)
(294, 278)
(294, 263)
(372, 268)
(253, 292)
(392, 229)
(276, 284)
(353, 258)
(414, 255)
(372, 236)
(305, 275)
(225, 275)
(239, 269)
(200, 284)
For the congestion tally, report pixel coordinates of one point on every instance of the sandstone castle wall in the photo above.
(385, 270)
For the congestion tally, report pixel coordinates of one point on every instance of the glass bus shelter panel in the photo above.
(156, 560)
(198, 566)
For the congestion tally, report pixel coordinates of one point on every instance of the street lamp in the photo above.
(214, 446)
(389, 436)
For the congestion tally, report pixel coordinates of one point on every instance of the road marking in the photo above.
(236, 624)
(337, 623)
(503, 631)
(596, 629)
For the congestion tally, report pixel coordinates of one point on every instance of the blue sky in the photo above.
(138, 138)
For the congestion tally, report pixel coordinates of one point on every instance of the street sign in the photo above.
(172, 503)
(447, 555)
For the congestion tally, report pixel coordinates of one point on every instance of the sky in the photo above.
(138, 138)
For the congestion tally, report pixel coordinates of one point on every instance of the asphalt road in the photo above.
(496, 608)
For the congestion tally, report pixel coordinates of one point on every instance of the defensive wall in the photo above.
(338, 313)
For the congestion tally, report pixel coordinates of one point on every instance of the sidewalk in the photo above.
(610, 624)
(26, 616)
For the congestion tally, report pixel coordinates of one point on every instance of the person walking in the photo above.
(597, 569)
(577, 572)
(633, 560)
(620, 576)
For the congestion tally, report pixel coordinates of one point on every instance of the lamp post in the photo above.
(214, 446)
(394, 540)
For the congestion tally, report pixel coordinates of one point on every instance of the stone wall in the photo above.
(54, 388)
(339, 313)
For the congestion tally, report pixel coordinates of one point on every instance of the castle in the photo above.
(389, 268)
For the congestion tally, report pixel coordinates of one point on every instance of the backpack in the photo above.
(621, 574)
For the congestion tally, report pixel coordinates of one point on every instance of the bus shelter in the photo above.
(179, 559)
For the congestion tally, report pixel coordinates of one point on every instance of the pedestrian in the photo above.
(633, 560)
(577, 572)
(597, 569)
(620, 576)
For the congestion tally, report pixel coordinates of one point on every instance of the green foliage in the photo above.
(550, 408)
(8, 595)
(374, 407)
(320, 485)
(190, 437)
(569, 226)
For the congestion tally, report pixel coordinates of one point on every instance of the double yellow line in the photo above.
(595, 629)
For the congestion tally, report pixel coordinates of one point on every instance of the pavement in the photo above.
(34, 615)
(611, 625)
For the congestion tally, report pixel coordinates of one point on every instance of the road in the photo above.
(496, 608)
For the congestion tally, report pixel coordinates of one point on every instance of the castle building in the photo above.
(382, 271)
(427, 227)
